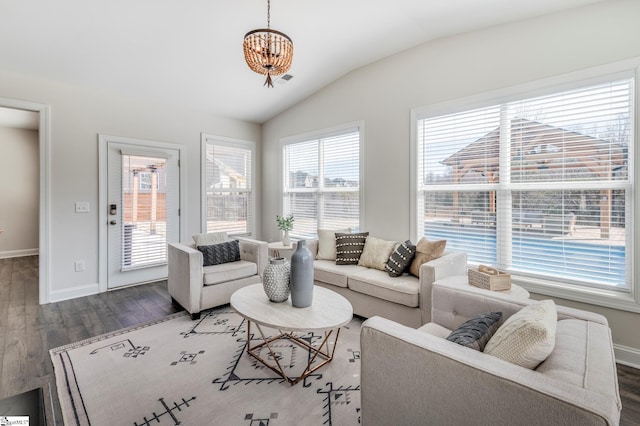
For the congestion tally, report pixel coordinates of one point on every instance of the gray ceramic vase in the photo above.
(275, 279)
(301, 276)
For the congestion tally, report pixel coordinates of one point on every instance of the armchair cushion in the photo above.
(225, 252)
(231, 271)
(527, 337)
(476, 331)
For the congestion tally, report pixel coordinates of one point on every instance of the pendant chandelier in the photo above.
(268, 52)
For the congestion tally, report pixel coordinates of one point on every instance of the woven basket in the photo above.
(489, 278)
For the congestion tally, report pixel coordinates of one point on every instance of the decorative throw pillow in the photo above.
(426, 251)
(349, 247)
(400, 259)
(527, 337)
(376, 253)
(225, 252)
(210, 238)
(327, 243)
(476, 331)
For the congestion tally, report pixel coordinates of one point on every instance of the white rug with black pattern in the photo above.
(177, 371)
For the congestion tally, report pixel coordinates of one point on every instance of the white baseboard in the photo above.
(72, 293)
(626, 355)
(19, 253)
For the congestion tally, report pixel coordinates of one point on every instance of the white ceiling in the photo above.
(188, 53)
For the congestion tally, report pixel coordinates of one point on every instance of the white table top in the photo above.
(461, 282)
(328, 311)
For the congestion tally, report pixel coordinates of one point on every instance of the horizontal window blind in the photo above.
(228, 188)
(539, 186)
(322, 182)
(145, 206)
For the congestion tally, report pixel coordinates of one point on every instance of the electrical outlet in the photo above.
(82, 207)
(79, 265)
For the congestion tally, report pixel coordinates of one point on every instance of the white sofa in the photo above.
(405, 299)
(195, 287)
(415, 376)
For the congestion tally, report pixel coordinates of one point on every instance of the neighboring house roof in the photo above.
(539, 144)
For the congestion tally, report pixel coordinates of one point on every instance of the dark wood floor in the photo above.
(28, 330)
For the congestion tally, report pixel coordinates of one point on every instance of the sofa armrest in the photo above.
(451, 263)
(185, 276)
(254, 251)
(408, 376)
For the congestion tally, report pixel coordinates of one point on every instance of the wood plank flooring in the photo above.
(28, 330)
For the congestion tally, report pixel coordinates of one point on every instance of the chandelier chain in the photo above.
(268, 13)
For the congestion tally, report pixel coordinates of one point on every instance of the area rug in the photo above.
(178, 371)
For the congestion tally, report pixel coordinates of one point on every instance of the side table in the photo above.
(461, 282)
(277, 249)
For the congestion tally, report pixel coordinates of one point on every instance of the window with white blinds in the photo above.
(228, 186)
(539, 186)
(321, 176)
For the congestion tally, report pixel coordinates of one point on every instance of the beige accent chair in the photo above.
(415, 376)
(195, 287)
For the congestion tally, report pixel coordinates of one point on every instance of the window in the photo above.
(321, 181)
(540, 186)
(228, 185)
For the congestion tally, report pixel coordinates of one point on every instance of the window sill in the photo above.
(601, 297)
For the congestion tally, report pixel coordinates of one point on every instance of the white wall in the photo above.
(78, 115)
(19, 192)
(383, 94)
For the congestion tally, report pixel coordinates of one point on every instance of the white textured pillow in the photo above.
(327, 243)
(210, 238)
(527, 337)
(376, 253)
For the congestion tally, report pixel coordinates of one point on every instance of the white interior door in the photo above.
(143, 186)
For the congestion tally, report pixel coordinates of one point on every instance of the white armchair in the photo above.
(415, 376)
(195, 287)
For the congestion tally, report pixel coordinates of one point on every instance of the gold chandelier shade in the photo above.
(268, 52)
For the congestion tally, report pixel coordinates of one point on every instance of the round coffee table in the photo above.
(328, 312)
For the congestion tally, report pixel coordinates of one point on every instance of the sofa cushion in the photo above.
(215, 254)
(426, 251)
(404, 290)
(527, 337)
(435, 329)
(349, 247)
(327, 243)
(376, 253)
(210, 238)
(328, 272)
(475, 332)
(400, 259)
(224, 272)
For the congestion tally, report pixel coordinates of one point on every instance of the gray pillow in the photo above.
(349, 247)
(400, 259)
(215, 254)
(476, 331)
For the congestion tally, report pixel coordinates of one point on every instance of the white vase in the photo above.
(285, 239)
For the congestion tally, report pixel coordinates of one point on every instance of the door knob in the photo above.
(113, 222)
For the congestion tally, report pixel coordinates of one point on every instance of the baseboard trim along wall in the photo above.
(19, 253)
(626, 355)
(72, 293)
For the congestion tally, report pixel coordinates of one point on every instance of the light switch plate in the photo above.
(82, 207)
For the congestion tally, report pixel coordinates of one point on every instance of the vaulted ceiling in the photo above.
(188, 53)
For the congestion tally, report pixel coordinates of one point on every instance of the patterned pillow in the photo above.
(215, 254)
(527, 337)
(476, 331)
(349, 247)
(327, 243)
(400, 259)
(426, 251)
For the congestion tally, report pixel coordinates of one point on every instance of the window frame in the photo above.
(321, 134)
(628, 301)
(232, 143)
